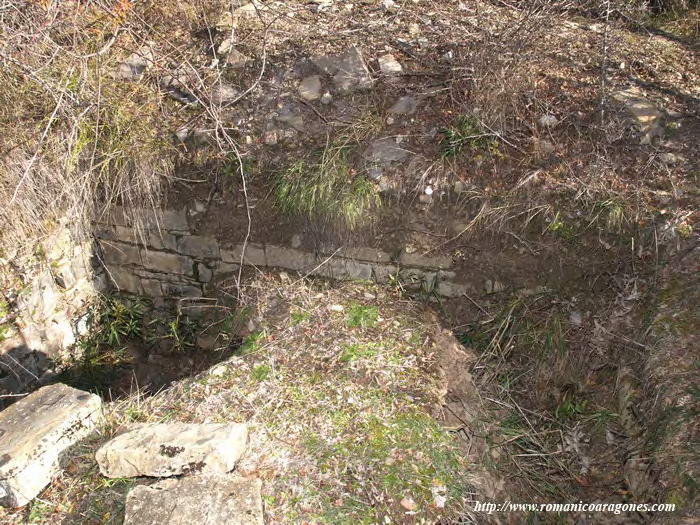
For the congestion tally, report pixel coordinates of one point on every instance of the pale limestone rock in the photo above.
(647, 117)
(34, 433)
(310, 88)
(389, 65)
(200, 500)
(171, 449)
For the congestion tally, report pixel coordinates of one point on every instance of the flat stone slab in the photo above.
(35, 431)
(200, 500)
(171, 449)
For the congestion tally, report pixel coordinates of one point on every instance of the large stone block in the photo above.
(254, 254)
(383, 273)
(171, 220)
(424, 261)
(201, 500)
(362, 253)
(34, 432)
(171, 449)
(198, 246)
(167, 262)
(119, 253)
(124, 279)
(345, 269)
(289, 258)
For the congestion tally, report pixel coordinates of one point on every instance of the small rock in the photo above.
(219, 370)
(336, 308)
(349, 69)
(385, 151)
(389, 65)
(647, 117)
(546, 147)
(671, 158)
(172, 449)
(548, 121)
(270, 137)
(292, 116)
(375, 173)
(575, 318)
(404, 106)
(460, 187)
(310, 88)
(409, 504)
(236, 59)
(493, 286)
(327, 98)
(223, 94)
(135, 66)
(204, 500)
(428, 190)
(389, 5)
(413, 29)
(322, 4)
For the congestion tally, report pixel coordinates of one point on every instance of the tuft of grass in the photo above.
(299, 317)
(362, 316)
(467, 132)
(328, 189)
(251, 343)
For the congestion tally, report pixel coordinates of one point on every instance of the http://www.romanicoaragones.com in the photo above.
(614, 508)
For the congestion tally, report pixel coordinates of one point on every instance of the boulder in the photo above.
(35, 432)
(171, 449)
(204, 500)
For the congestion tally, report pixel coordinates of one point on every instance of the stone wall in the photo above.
(166, 260)
(43, 300)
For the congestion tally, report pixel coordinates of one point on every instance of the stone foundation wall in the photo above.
(167, 260)
(43, 301)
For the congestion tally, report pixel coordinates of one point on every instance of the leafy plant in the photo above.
(182, 331)
(467, 132)
(261, 372)
(570, 409)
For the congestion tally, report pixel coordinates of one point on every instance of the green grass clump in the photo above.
(251, 343)
(467, 132)
(362, 316)
(328, 190)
